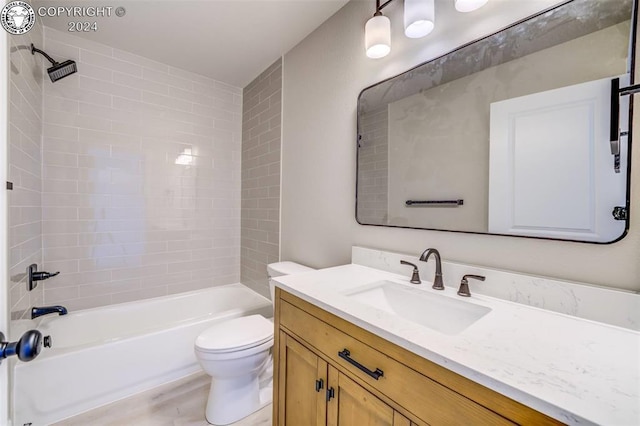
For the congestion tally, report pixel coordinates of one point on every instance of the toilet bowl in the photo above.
(237, 355)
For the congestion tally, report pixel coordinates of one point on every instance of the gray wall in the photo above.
(261, 138)
(25, 171)
(323, 76)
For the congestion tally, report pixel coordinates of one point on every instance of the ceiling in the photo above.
(228, 40)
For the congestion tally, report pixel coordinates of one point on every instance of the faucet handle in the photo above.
(415, 277)
(464, 284)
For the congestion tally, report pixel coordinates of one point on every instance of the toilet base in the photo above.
(230, 400)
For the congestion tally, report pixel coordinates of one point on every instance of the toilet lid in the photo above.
(236, 334)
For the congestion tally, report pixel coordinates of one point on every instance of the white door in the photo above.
(551, 170)
(4, 273)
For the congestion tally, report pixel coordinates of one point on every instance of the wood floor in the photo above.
(180, 403)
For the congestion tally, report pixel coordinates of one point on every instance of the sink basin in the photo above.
(440, 313)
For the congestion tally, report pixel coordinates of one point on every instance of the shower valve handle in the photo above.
(34, 275)
(27, 348)
(42, 275)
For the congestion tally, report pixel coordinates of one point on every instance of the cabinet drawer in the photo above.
(425, 398)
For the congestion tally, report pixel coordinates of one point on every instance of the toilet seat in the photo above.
(238, 334)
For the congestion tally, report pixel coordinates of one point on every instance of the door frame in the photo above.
(4, 241)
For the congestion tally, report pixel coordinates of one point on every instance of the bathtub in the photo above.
(101, 355)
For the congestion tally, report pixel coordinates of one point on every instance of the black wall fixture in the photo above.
(34, 275)
(59, 69)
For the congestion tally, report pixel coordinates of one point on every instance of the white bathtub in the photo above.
(101, 355)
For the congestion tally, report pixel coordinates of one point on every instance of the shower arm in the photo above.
(35, 49)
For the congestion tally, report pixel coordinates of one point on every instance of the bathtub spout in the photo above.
(45, 310)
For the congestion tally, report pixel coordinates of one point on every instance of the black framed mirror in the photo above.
(521, 133)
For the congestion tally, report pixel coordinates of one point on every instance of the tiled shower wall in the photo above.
(261, 140)
(141, 167)
(25, 139)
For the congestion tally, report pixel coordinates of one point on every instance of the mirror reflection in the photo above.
(508, 135)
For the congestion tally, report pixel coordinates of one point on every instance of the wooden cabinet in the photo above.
(315, 393)
(352, 405)
(303, 376)
(330, 372)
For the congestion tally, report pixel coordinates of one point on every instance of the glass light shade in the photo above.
(419, 17)
(469, 5)
(377, 36)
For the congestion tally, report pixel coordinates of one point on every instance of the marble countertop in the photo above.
(577, 371)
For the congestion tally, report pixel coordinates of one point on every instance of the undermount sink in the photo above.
(440, 313)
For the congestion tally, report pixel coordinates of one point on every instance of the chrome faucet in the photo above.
(46, 310)
(437, 281)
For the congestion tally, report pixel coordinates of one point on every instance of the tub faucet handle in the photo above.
(415, 276)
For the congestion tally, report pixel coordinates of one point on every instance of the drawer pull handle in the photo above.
(319, 384)
(345, 354)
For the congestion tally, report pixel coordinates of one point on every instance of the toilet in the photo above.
(237, 355)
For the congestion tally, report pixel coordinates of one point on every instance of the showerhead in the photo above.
(59, 69)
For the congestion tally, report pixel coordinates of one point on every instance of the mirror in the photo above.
(508, 135)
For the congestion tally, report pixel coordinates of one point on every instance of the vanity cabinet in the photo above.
(303, 390)
(328, 371)
(316, 393)
(352, 405)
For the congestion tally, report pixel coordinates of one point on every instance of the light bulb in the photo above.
(419, 17)
(469, 5)
(377, 36)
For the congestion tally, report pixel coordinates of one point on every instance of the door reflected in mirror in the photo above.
(508, 135)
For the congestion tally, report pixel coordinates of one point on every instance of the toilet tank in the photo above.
(284, 268)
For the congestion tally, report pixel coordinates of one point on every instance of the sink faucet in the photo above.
(415, 276)
(45, 310)
(437, 281)
(464, 284)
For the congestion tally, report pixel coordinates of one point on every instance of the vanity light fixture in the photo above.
(419, 17)
(419, 20)
(469, 5)
(377, 33)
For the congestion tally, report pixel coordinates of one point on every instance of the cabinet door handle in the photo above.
(330, 393)
(319, 384)
(345, 354)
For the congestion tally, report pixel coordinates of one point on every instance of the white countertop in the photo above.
(574, 370)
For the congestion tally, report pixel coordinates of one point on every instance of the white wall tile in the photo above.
(164, 77)
(109, 62)
(96, 71)
(140, 83)
(108, 88)
(121, 219)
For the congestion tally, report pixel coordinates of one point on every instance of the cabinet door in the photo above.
(302, 389)
(352, 405)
